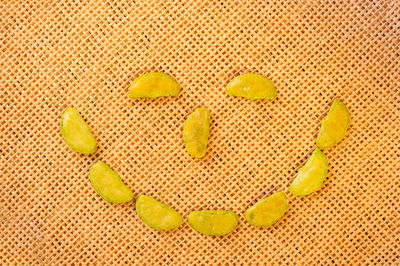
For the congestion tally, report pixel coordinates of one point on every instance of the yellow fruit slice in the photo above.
(195, 132)
(252, 86)
(156, 214)
(311, 176)
(214, 223)
(334, 125)
(108, 184)
(76, 132)
(268, 211)
(153, 85)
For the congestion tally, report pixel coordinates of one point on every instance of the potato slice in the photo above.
(334, 126)
(311, 176)
(252, 86)
(153, 85)
(76, 132)
(214, 223)
(195, 132)
(108, 184)
(268, 211)
(156, 214)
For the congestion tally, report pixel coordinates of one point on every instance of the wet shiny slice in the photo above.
(153, 85)
(195, 132)
(108, 184)
(252, 86)
(334, 125)
(156, 214)
(311, 176)
(214, 223)
(268, 211)
(76, 132)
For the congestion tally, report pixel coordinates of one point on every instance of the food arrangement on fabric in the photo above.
(196, 130)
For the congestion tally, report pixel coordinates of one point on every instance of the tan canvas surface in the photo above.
(85, 54)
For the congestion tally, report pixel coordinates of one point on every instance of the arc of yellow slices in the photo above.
(268, 211)
(195, 132)
(76, 132)
(252, 86)
(215, 223)
(334, 126)
(156, 214)
(311, 176)
(108, 184)
(153, 85)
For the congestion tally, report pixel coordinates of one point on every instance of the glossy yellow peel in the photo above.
(252, 86)
(195, 132)
(214, 223)
(268, 211)
(108, 184)
(76, 132)
(153, 85)
(156, 214)
(334, 126)
(311, 176)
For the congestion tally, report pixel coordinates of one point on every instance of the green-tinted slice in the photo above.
(252, 86)
(108, 184)
(334, 125)
(268, 211)
(215, 223)
(195, 132)
(156, 214)
(153, 85)
(76, 132)
(311, 176)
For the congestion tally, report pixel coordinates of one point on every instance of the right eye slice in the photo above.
(252, 86)
(154, 85)
(268, 211)
(156, 214)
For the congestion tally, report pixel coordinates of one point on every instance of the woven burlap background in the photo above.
(85, 54)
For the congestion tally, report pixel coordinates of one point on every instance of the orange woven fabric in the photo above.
(85, 54)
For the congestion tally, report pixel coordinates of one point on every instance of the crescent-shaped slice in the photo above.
(252, 86)
(334, 126)
(195, 132)
(153, 85)
(214, 223)
(156, 214)
(311, 176)
(76, 132)
(108, 184)
(268, 211)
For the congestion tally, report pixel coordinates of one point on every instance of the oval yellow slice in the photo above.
(334, 126)
(268, 211)
(195, 132)
(108, 184)
(156, 214)
(214, 223)
(311, 176)
(76, 132)
(252, 86)
(153, 85)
